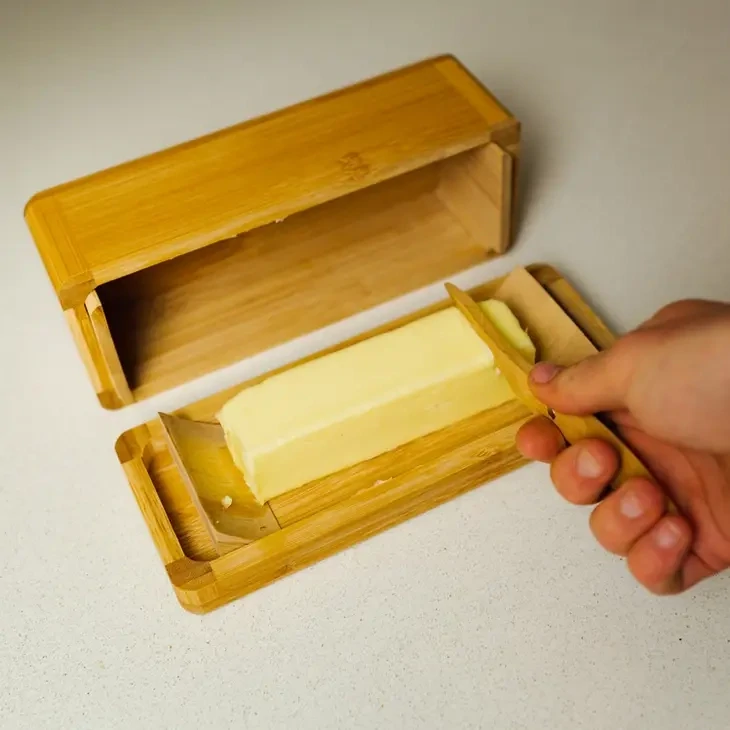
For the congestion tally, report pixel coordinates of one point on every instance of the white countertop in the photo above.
(496, 610)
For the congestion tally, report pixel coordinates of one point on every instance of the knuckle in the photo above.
(626, 346)
(680, 308)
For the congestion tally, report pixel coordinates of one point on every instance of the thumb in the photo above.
(598, 383)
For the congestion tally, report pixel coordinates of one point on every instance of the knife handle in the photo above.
(576, 428)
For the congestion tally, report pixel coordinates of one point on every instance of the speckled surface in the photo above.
(494, 611)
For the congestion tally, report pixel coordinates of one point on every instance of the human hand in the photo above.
(666, 386)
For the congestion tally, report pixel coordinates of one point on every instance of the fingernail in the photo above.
(668, 535)
(544, 372)
(631, 506)
(587, 465)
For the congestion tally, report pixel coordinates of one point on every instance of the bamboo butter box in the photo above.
(192, 258)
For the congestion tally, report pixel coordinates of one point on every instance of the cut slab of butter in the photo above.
(356, 403)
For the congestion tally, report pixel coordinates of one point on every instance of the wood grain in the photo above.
(213, 250)
(108, 356)
(477, 188)
(332, 513)
(196, 313)
(83, 335)
(127, 218)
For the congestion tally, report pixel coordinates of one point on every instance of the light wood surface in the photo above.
(109, 356)
(181, 254)
(132, 216)
(329, 514)
(477, 188)
(213, 307)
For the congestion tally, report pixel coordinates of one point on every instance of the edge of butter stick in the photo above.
(356, 403)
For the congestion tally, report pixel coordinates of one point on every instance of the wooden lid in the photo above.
(170, 266)
(126, 218)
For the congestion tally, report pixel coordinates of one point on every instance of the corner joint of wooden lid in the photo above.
(74, 291)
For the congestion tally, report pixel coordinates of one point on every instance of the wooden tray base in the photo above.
(359, 502)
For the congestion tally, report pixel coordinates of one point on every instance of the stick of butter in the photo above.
(356, 403)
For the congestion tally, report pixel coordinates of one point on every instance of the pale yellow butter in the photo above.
(361, 401)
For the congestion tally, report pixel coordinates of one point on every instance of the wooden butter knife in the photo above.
(516, 368)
